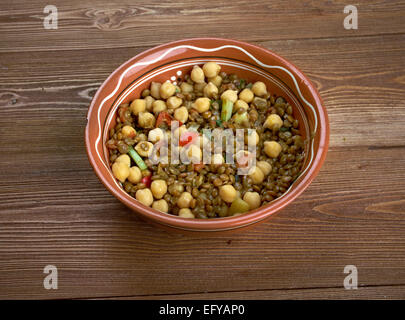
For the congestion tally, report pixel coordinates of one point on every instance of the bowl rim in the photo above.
(226, 223)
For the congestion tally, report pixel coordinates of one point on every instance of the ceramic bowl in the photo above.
(174, 60)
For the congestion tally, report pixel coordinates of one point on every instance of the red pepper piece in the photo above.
(188, 137)
(165, 117)
(147, 181)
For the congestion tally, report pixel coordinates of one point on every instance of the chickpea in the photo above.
(160, 205)
(120, 171)
(230, 95)
(156, 135)
(211, 69)
(128, 132)
(202, 141)
(144, 148)
(210, 90)
(240, 104)
(272, 148)
(197, 74)
(259, 89)
(202, 104)
(186, 213)
(186, 87)
(125, 159)
(246, 95)
(194, 153)
(135, 175)
(146, 120)
(144, 196)
(264, 166)
(159, 188)
(217, 81)
(149, 103)
(167, 89)
(184, 200)
(273, 122)
(155, 90)
(137, 106)
(174, 102)
(158, 106)
(256, 175)
(252, 199)
(227, 193)
(142, 137)
(179, 131)
(217, 159)
(181, 114)
(199, 87)
(145, 93)
(252, 138)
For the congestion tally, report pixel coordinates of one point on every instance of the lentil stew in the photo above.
(205, 99)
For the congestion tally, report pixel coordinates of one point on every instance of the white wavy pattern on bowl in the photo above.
(145, 63)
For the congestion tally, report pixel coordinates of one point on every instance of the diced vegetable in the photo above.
(165, 117)
(188, 137)
(147, 181)
(137, 158)
(226, 111)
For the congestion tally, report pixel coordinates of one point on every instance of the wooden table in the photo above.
(54, 210)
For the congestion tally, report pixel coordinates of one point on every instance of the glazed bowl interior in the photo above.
(172, 62)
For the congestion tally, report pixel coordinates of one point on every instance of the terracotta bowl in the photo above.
(173, 61)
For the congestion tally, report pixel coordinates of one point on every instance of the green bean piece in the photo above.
(226, 111)
(137, 158)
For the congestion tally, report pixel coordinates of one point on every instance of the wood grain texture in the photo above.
(127, 23)
(362, 293)
(103, 249)
(53, 209)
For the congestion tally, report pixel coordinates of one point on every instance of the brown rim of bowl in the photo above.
(226, 223)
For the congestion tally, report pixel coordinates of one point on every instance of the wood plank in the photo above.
(53, 209)
(89, 25)
(65, 217)
(364, 93)
(362, 293)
